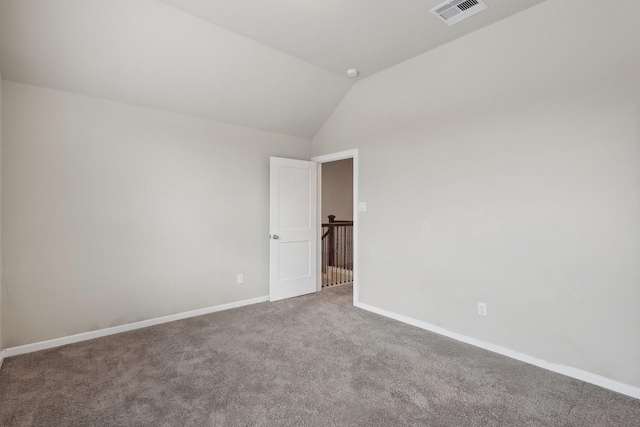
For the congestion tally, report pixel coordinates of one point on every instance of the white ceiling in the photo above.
(369, 35)
(277, 65)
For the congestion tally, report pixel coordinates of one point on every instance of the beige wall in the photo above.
(337, 190)
(505, 168)
(114, 213)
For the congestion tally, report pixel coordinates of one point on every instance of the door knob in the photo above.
(276, 237)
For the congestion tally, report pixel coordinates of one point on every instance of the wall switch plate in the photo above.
(240, 279)
(482, 309)
(362, 206)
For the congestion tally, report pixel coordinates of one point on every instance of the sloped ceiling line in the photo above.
(275, 65)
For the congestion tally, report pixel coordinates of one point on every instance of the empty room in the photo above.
(330, 213)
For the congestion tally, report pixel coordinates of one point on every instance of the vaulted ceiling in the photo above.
(276, 65)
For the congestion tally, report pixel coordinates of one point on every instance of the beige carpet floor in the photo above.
(309, 361)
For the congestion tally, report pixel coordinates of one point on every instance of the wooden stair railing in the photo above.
(337, 252)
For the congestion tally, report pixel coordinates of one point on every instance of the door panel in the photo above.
(293, 224)
(294, 260)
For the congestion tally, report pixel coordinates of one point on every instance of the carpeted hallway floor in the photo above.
(309, 361)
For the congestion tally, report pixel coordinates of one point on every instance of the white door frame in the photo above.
(348, 154)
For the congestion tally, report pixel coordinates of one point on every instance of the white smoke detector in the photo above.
(454, 11)
(352, 72)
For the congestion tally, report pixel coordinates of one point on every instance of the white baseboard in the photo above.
(569, 371)
(57, 342)
(1, 357)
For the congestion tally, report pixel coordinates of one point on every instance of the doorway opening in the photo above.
(336, 207)
(338, 213)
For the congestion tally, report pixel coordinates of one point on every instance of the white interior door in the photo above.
(293, 228)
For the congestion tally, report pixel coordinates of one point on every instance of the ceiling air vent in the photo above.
(455, 11)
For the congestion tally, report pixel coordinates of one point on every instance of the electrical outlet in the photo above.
(240, 279)
(482, 309)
